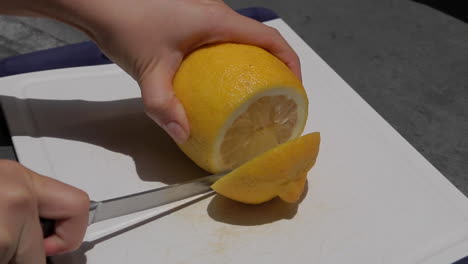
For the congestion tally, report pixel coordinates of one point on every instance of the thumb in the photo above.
(65, 204)
(161, 103)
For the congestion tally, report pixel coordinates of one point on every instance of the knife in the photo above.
(128, 204)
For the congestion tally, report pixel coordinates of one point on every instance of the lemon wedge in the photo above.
(240, 101)
(281, 171)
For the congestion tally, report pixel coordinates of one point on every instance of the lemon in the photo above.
(240, 101)
(281, 171)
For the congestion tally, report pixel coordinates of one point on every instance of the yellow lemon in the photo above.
(281, 171)
(240, 101)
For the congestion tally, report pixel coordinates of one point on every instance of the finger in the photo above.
(68, 206)
(160, 101)
(30, 247)
(241, 29)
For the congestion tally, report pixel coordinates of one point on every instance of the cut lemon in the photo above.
(281, 171)
(240, 101)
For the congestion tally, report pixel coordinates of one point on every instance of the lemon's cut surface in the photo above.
(240, 101)
(281, 171)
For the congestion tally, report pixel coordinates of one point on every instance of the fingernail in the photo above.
(176, 132)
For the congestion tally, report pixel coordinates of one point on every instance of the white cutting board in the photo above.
(372, 198)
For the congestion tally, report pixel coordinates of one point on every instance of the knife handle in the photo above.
(48, 225)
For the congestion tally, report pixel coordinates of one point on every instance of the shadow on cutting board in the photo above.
(120, 126)
(228, 211)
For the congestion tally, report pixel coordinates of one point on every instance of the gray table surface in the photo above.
(407, 59)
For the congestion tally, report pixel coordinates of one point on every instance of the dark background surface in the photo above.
(407, 59)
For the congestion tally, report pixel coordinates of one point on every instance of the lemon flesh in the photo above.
(281, 171)
(268, 122)
(240, 102)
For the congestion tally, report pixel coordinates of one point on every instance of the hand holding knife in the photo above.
(115, 207)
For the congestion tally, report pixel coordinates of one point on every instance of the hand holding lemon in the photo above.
(244, 107)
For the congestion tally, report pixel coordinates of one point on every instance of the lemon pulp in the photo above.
(268, 122)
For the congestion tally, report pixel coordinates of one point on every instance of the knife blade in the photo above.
(133, 203)
(128, 204)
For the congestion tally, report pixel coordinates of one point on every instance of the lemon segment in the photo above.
(240, 102)
(281, 171)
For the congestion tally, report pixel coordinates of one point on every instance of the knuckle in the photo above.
(156, 105)
(213, 13)
(214, 10)
(274, 31)
(82, 201)
(16, 192)
(18, 199)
